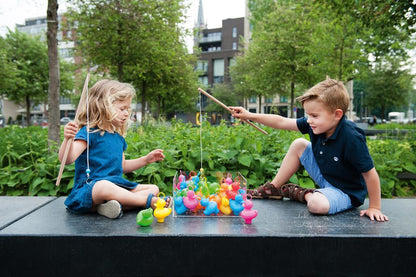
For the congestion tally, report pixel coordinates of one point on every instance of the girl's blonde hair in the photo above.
(101, 112)
(331, 93)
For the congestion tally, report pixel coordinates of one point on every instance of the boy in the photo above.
(337, 157)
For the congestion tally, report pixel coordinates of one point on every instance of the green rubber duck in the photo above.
(145, 217)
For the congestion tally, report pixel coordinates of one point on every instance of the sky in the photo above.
(14, 12)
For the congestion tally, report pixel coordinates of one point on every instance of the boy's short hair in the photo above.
(330, 92)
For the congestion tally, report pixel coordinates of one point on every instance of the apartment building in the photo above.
(219, 47)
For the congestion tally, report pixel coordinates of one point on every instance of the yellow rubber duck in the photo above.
(161, 212)
(225, 206)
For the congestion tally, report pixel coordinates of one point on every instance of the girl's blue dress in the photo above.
(105, 158)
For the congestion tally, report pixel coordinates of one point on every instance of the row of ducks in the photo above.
(238, 206)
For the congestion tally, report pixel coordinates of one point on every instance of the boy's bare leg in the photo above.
(317, 203)
(290, 163)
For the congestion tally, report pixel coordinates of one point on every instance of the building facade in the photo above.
(218, 49)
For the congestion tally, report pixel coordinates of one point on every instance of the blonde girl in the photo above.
(98, 154)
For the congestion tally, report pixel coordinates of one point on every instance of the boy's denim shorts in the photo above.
(338, 200)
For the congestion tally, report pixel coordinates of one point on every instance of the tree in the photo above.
(29, 84)
(8, 70)
(278, 58)
(54, 76)
(388, 86)
(359, 29)
(138, 42)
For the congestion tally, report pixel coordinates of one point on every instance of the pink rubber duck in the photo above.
(181, 179)
(190, 200)
(248, 214)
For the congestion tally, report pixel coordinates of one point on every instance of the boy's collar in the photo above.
(340, 124)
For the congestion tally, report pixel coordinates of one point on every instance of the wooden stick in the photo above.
(82, 102)
(228, 109)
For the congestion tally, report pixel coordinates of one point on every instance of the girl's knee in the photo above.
(318, 204)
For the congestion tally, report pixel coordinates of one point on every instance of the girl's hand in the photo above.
(70, 130)
(154, 156)
(374, 214)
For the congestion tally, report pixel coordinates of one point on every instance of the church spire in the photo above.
(200, 24)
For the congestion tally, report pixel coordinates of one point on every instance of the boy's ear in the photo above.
(338, 114)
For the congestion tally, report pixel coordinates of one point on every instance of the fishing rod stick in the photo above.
(82, 102)
(228, 109)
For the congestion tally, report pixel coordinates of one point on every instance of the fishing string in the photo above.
(200, 125)
(88, 137)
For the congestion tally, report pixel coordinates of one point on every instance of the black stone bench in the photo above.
(38, 237)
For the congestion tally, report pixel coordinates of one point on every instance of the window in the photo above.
(252, 99)
(203, 80)
(218, 73)
(283, 99)
(202, 66)
(235, 46)
(234, 32)
(231, 62)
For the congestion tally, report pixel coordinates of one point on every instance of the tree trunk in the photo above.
(143, 101)
(292, 99)
(54, 82)
(28, 111)
(259, 104)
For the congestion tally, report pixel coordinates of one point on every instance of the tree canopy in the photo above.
(141, 42)
(298, 43)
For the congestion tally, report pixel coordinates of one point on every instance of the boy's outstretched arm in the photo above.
(374, 196)
(271, 120)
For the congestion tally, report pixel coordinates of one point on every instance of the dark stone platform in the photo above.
(38, 237)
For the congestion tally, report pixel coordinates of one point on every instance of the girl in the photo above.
(99, 158)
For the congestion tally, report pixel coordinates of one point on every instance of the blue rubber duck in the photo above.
(211, 207)
(237, 204)
(178, 205)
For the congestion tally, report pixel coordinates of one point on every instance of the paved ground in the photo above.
(285, 239)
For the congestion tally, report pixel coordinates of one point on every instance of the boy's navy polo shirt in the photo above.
(342, 157)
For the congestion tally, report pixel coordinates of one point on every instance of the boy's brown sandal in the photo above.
(295, 192)
(265, 191)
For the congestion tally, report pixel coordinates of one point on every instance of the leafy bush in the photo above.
(29, 168)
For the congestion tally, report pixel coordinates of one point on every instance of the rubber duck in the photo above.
(211, 207)
(216, 198)
(229, 180)
(248, 214)
(195, 180)
(225, 206)
(190, 201)
(237, 204)
(223, 189)
(181, 179)
(231, 193)
(145, 217)
(178, 205)
(213, 187)
(183, 184)
(161, 212)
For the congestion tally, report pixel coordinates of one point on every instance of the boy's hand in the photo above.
(239, 112)
(154, 156)
(373, 213)
(70, 130)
